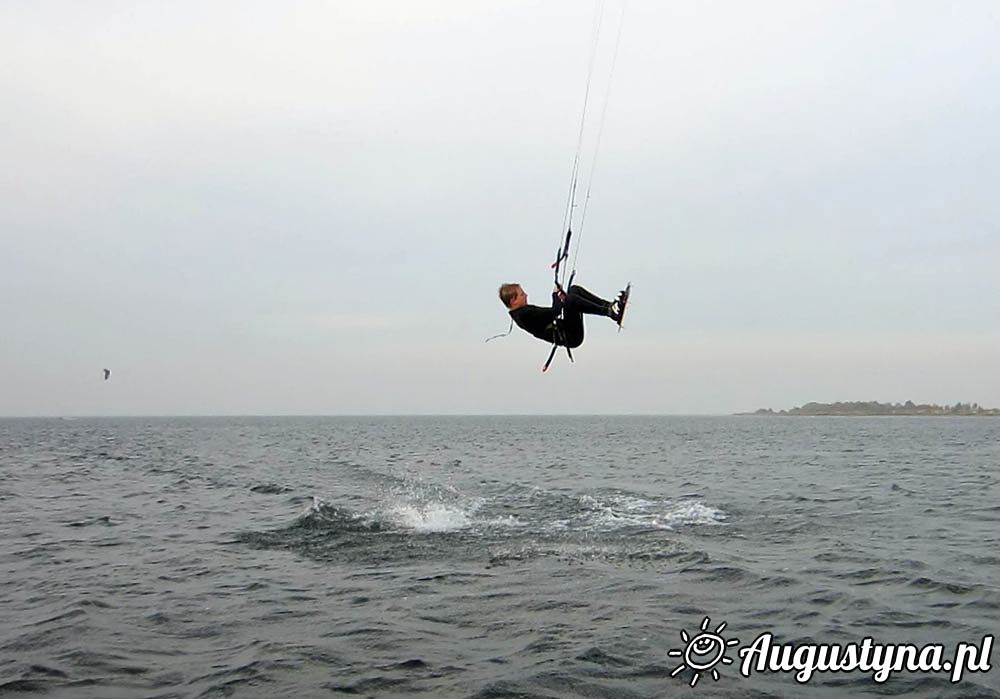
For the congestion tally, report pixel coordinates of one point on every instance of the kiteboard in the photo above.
(623, 303)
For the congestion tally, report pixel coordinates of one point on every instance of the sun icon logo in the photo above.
(703, 652)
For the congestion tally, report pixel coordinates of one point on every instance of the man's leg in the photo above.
(581, 300)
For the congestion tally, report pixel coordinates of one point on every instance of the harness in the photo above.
(561, 256)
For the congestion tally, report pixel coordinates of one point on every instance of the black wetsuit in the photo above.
(545, 324)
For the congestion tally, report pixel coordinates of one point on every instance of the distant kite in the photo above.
(107, 374)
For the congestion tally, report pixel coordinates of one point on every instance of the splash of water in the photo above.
(430, 517)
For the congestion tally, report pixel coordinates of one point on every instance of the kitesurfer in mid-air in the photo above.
(562, 323)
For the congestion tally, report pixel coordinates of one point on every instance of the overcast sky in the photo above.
(307, 207)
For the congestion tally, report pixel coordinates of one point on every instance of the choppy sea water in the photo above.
(488, 556)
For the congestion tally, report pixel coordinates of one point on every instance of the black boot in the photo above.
(618, 306)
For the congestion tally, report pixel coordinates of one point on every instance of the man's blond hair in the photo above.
(508, 292)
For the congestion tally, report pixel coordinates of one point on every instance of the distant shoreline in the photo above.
(874, 408)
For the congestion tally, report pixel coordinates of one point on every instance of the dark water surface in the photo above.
(487, 556)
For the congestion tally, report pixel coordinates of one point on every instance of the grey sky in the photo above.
(307, 207)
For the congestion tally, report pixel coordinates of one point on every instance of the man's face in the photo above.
(520, 298)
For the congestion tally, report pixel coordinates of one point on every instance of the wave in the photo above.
(334, 519)
(536, 511)
(409, 521)
(622, 510)
(324, 519)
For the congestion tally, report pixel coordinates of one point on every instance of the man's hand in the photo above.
(559, 293)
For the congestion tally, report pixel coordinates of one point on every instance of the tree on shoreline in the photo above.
(871, 408)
